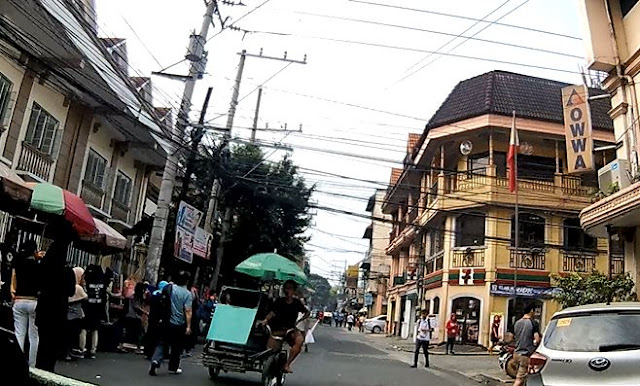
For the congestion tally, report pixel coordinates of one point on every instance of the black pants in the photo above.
(424, 344)
(172, 338)
(450, 342)
(50, 342)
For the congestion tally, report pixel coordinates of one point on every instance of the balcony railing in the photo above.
(470, 257)
(34, 161)
(91, 194)
(573, 186)
(527, 258)
(119, 211)
(574, 261)
(470, 180)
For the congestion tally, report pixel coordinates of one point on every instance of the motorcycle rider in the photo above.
(283, 318)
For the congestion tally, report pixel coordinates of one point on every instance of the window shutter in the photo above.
(31, 128)
(57, 140)
(7, 111)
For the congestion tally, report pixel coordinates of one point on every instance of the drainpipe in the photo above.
(629, 130)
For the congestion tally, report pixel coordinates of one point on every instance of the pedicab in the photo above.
(235, 341)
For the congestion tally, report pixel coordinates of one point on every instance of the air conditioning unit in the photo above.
(614, 176)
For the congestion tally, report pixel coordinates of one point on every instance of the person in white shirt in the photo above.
(422, 339)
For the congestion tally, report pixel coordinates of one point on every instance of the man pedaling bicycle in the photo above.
(283, 319)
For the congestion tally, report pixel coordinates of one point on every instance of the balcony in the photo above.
(119, 211)
(468, 257)
(411, 216)
(575, 261)
(434, 262)
(527, 258)
(34, 161)
(91, 194)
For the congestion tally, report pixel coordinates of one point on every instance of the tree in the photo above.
(593, 288)
(322, 296)
(269, 203)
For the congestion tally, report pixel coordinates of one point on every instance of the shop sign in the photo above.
(522, 291)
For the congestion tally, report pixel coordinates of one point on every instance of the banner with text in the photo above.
(202, 243)
(577, 126)
(187, 221)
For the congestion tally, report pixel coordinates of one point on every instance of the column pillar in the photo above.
(491, 170)
(19, 113)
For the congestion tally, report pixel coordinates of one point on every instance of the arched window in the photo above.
(470, 230)
(575, 238)
(531, 231)
(436, 305)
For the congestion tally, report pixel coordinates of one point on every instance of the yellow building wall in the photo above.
(53, 102)
(14, 73)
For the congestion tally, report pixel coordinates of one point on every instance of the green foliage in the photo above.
(269, 202)
(322, 297)
(593, 288)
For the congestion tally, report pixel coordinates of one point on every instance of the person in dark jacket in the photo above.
(57, 285)
(94, 309)
(154, 325)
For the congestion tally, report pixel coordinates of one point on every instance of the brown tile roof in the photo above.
(414, 138)
(501, 92)
(395, 175)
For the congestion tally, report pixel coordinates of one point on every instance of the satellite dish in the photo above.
(526, 148)
(466, 147)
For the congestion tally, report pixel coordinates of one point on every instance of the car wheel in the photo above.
(376, 330)
(214, 373)
(511, 368)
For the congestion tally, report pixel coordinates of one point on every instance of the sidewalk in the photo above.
(471, 361)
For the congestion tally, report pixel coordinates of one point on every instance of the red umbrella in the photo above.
(49, 198)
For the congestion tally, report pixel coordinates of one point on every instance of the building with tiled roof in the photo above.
(452, 244)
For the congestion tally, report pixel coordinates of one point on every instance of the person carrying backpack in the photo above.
(175, 324)
(156, 314)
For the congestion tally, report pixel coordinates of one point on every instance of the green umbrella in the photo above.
(271, 266)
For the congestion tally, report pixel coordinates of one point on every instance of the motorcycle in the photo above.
(507, 361)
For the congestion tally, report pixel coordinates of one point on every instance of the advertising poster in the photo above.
(496, 321)
(202, 243)
(187, 220)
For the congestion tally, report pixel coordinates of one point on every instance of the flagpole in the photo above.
(516, 216)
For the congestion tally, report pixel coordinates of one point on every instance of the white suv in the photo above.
(596, 344)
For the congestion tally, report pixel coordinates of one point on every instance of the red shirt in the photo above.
(452, 329)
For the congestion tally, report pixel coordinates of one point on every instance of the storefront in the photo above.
(520, 297)
(467, 310)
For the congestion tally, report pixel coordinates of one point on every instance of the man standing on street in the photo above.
(525, 344)
(177, 327)
(422, 339)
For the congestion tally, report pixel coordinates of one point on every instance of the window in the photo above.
(536, 168)
(616, 254)
(575, 238)
(436, 305)
(436, 239)
(627, 5)
(478, 163)
(123, 189)
(95, 173)
(5, 96)
(42, 131)
(531, 233)
(470, 230)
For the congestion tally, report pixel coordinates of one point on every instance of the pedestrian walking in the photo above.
(423, 338)
(196, 305)
(24, 290)
(94, 309)
(7, 255)
(131, 325)
(75, 316)
(58, 284)
(361, 320)
(350, 321)
(176, 324)
(495, 333)
(155, 318)
(453, 329)
(526, 338)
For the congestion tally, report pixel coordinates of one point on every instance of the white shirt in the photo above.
(424, 330)
(350, 319)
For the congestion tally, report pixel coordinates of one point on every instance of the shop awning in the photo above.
(15, 195)
(105, 242)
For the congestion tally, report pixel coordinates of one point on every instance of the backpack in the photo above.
(165, 305)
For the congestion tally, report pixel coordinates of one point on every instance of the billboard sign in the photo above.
(202, 243)
(187, 221)
(577, 126)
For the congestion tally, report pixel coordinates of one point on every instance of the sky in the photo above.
(373, 74)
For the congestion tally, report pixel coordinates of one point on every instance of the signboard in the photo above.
(187, 221)
(577, 126)
(522, 291)
(352, 276)
(466, 276)
(183, 247)
(202, 243)
(368, 299)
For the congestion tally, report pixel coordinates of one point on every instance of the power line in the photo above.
(557, 34)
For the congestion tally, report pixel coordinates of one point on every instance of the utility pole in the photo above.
(214, 201)
(197, 56)
(255, 118)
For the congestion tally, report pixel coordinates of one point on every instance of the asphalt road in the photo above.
(337, 358)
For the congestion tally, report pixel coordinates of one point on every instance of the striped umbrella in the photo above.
(53, 199)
